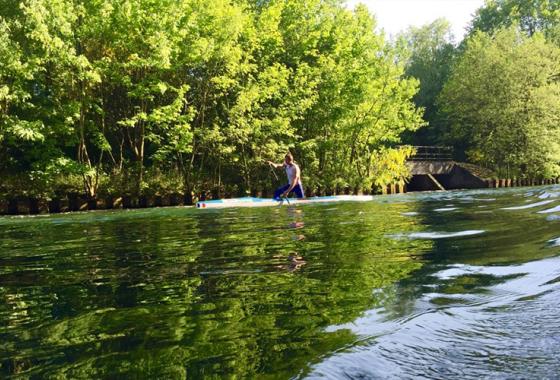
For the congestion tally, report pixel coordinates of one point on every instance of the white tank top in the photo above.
(291, 171)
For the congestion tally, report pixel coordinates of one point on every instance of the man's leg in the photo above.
(298, 191)
(280, 191)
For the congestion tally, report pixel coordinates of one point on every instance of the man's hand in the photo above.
(285, 194)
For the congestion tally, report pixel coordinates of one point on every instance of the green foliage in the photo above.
(362, 104)
(207, 89)
(505, 113)
(530, 16)
(51, 179)
(430, 59)
(15, 128)
(389, 165)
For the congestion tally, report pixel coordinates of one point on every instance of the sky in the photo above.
(397, 15)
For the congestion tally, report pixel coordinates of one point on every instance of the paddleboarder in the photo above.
(294, 178)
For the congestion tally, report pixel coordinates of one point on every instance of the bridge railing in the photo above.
(432, 153)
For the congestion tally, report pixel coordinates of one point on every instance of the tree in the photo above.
(362, 103)
(502, 101)
(15, 129)
(531, 16)
(431, 56)
(111, 92)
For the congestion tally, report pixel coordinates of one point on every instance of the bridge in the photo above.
(433, 168)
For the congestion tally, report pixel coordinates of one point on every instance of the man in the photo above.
(294, 178)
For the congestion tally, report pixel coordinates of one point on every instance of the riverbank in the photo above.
(74, 202)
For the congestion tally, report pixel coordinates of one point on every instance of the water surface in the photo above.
(458, 284)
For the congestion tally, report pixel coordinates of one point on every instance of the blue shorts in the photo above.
(297, 190)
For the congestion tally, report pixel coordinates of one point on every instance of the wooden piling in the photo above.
(108, 202)
(143, 202)
(91, 203)
(175, 199)
(3, 206)
(188, 198)
(12, 208)
(54, 205)
(127, 201)
(216, 193)
(73, 203)
(101, 203)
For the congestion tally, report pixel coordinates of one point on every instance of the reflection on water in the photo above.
(438, 235)
(437, 285)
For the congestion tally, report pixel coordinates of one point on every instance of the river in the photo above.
(461, 284)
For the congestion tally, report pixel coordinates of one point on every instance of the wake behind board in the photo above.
(264, 202)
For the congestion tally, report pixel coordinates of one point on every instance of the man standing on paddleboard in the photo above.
(294, 178)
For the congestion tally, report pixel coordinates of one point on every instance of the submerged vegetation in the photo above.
(153, 97)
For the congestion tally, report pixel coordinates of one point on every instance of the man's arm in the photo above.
(275, 165)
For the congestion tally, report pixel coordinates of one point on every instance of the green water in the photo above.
(434, 285)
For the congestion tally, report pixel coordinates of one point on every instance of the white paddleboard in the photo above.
(264, 202)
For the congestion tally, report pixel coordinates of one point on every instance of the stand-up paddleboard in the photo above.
(264, 202)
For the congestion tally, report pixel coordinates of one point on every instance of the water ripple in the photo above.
(443, 339)
(531, 205)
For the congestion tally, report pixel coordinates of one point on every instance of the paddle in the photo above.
(271, 170)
